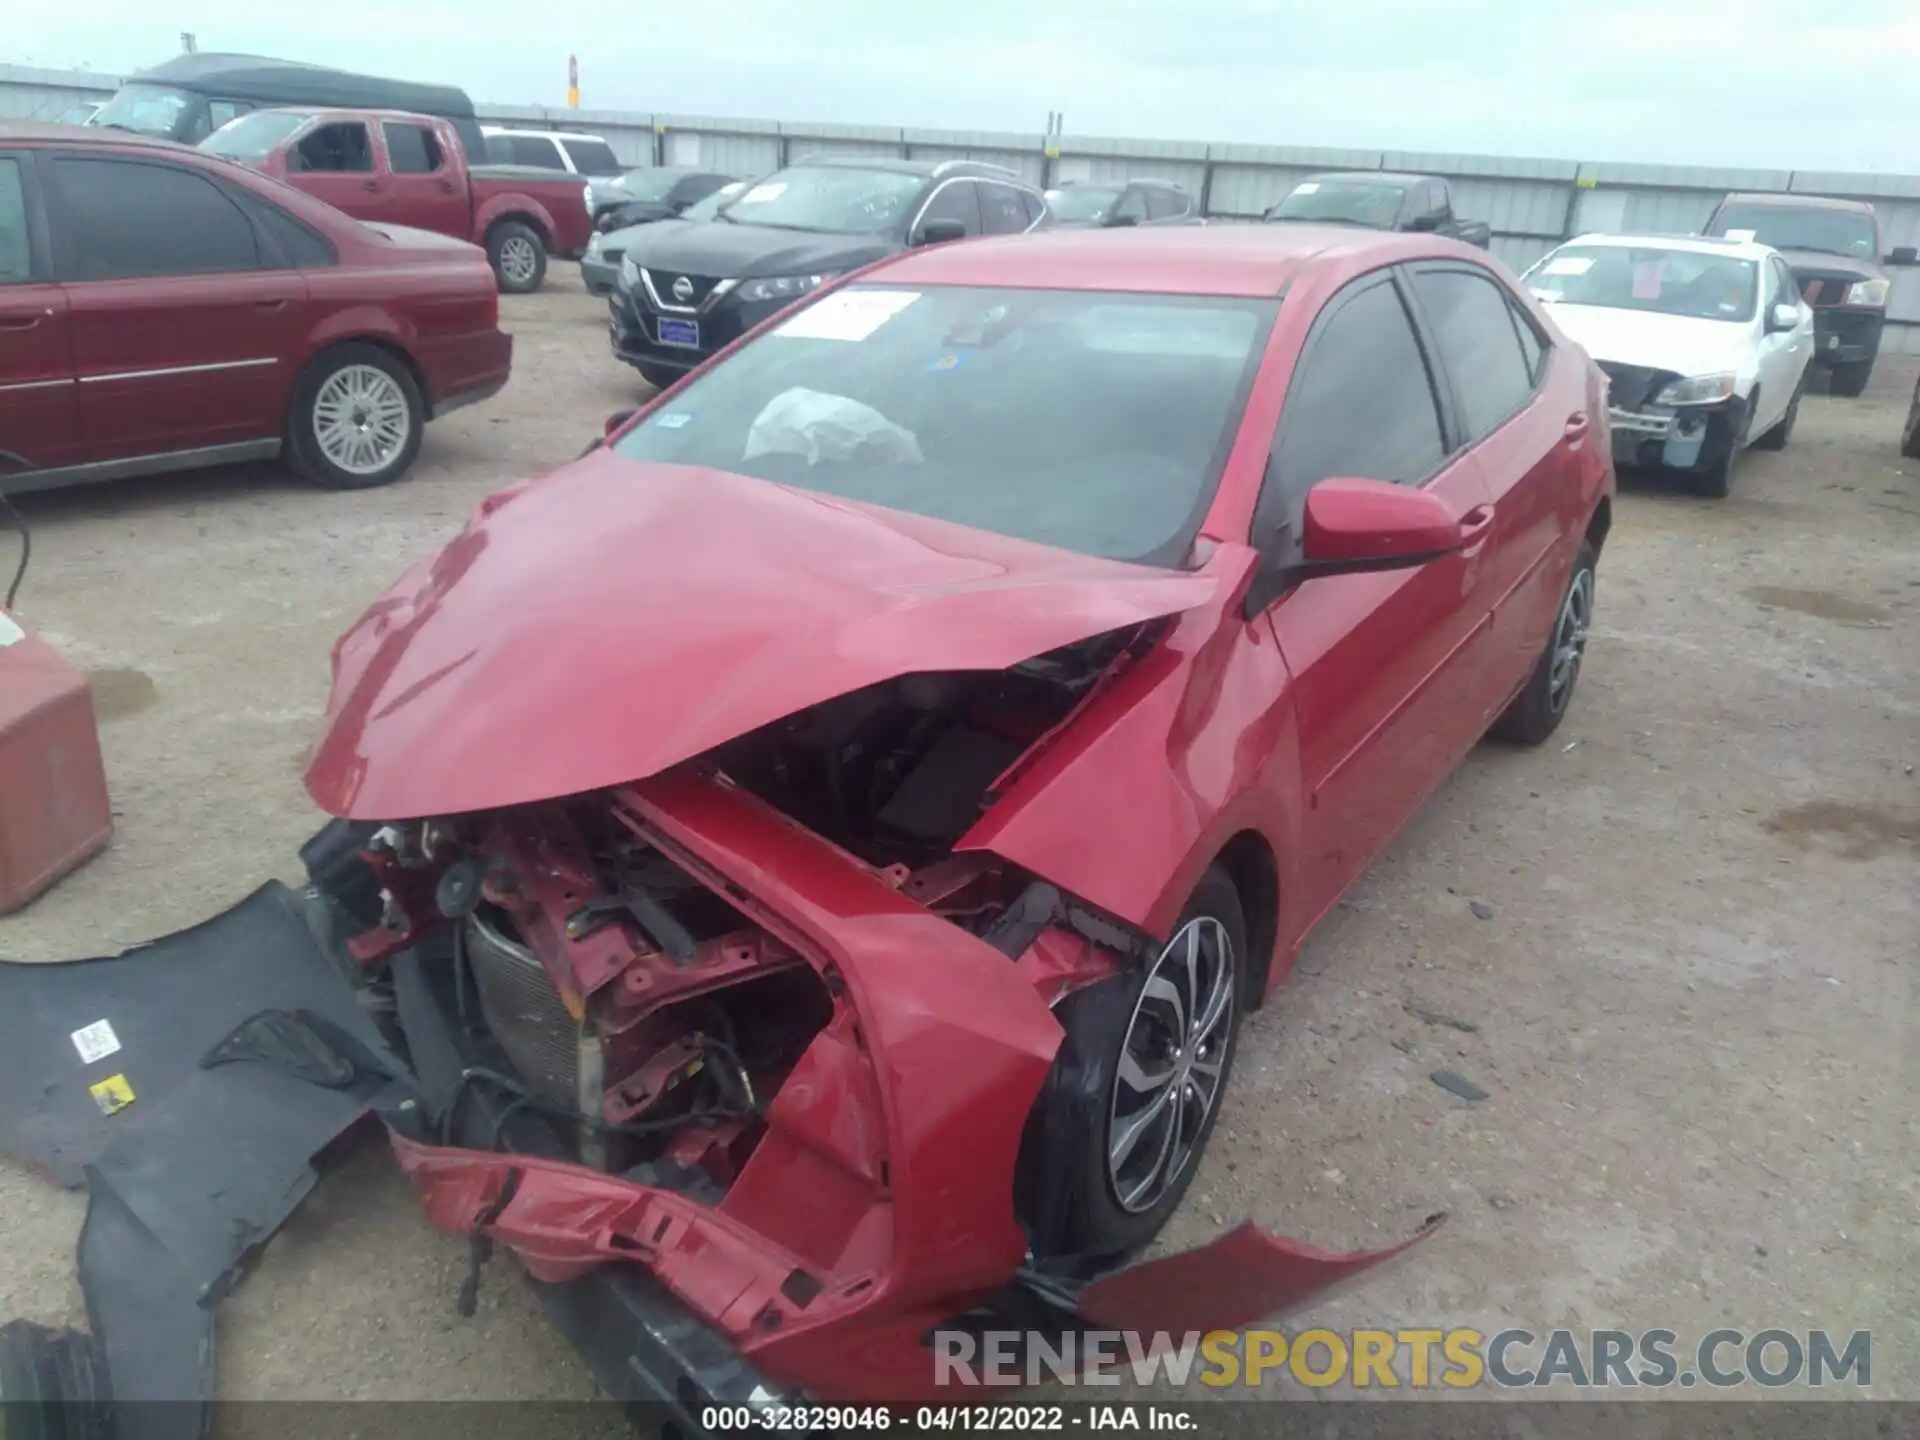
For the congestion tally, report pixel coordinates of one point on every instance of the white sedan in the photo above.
(1705, 344)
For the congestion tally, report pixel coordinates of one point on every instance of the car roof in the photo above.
(357, 112)
(27, 132)
(1693, 244)
(1777, 201)
(1373, 177)
(260, 77)
(931, 169)
(549, 134)
(1122, 184)
(1245, 260)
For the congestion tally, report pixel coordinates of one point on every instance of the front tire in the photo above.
(658, 376)
(1150, 1055)
(1536, 712)
(1850, 377)
(518, 256)
(1782, 431)
(356, 419)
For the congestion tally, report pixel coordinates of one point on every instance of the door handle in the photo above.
(18, 322)
(370, 184)
(447, 186)
(1577, 425)
(1475, 526)
(270, 304)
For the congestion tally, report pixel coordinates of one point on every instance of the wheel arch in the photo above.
(387, 344)
(1249, 862)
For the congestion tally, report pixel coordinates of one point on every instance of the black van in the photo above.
(191, 96)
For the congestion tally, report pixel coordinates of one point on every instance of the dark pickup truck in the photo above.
(1380, 200)
(1833, 249)
(395, 168)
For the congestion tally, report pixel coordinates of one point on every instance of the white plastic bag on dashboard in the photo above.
(821, 427)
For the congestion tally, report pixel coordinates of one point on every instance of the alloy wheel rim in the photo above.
(1570, 638)
(517, 259)
(361, 419)
(1171, 1066)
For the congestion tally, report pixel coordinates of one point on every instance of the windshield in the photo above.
(650, 184)
(1833, 232)
(1081, 202)
(1094, 422)
(1351, 202)
(250, 136)
(150, 109)
(1665, 282)
(829, 199)
(708, 208)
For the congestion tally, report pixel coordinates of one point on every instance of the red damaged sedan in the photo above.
(802, 866)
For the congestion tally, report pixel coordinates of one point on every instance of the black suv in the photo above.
(687, 290)
(1091, 204)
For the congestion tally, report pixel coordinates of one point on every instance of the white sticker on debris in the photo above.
(95, 1041)
(10, 633)
(848, 315)
(1567, 265)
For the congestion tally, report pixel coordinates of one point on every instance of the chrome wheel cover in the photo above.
(361, 419)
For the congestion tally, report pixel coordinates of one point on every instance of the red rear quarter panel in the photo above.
(557, 207)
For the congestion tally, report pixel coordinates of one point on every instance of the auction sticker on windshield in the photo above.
(1567, 265)
(848, 315)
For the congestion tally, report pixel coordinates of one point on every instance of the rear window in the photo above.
(535, 150)
(593, 157)
(1093, 422)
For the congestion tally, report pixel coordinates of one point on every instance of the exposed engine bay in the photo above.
(639, 1009)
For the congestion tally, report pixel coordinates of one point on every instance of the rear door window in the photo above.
(592, 157)
(1165, 204)
(411, 149)
(536, 150)
(1473, 328)
(187, 226)
(1132, 205)
(16, 241)
(332, 149)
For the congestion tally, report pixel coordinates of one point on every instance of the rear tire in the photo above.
(1850, 378)
(1536, 712)
(344, 407)
(518, 256)
(53, 1384)
(1111, 1207)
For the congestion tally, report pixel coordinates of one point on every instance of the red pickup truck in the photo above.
(396, 168)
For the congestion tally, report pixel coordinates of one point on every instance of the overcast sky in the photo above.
(1776, 83)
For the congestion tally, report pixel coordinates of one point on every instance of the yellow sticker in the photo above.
(112, 1094)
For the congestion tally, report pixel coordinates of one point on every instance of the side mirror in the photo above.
(1783, 316)
(1119, 222)
(1904, 255)
(614, 422)
(1423, 224)
(940, 232)
(1353, 526)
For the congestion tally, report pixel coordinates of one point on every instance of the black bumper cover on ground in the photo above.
(189, 1180)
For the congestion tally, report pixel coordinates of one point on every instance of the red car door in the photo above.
(181, 333)
(1523, 410)
(422, 187)
(1388, 670)
(334, 162)
(36, 363)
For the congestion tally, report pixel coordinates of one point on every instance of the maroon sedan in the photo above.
(816, 851)
(161, 309)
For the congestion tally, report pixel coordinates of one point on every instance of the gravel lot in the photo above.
(1695, 990)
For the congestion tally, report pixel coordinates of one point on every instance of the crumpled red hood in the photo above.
(617, 618)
